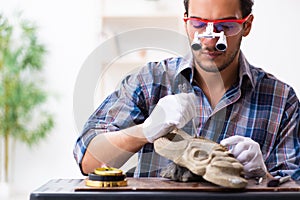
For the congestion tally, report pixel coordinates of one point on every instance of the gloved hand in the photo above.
(248, 152)
(171, 111)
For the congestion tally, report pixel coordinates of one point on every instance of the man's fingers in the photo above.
(239, 148)
(248, 152)
(233, 140)
(245, 156)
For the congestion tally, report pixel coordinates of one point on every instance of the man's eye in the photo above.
(228, 25)
(198, 24)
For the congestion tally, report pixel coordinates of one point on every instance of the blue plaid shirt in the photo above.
(258, 106)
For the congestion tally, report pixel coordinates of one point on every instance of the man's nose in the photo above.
(209, 43)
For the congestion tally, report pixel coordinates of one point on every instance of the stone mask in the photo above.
(202, 157)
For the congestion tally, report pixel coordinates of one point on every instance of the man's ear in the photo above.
(248, 25)
(185, 23)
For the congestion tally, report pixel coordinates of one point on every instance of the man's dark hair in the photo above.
(246, 7)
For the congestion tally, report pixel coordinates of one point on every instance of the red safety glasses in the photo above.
(230, 27)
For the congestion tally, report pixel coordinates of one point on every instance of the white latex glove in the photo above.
(170, 112)
(248, 152)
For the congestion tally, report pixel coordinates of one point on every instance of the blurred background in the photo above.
(72, 30)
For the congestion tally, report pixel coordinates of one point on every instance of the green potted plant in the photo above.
(22, 115)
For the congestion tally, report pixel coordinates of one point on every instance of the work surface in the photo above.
(156, 188)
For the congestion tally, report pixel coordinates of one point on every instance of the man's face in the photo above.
(209, 58)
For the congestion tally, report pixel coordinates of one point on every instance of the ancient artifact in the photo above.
(202, 157)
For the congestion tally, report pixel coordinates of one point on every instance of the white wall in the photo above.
(273, 43)
(70, 29)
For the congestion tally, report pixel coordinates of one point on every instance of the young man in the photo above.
(226, 98)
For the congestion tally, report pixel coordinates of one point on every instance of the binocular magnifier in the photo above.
(221, 44)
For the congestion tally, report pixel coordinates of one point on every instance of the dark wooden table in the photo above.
(155, 188)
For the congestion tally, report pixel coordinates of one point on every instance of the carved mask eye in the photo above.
(200, 155)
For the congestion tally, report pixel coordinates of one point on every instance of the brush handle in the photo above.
(284, 179)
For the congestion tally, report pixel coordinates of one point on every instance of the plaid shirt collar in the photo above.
(186, 69)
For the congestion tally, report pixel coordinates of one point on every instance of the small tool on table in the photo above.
(258, 180)
(278, 180)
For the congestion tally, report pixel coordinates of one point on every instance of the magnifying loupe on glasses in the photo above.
(221, 44)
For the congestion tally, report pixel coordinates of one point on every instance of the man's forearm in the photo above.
(113, 148)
